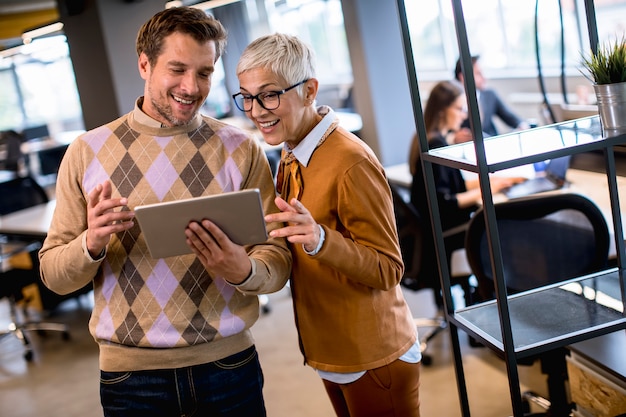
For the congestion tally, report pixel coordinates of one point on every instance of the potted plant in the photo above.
(607, 72)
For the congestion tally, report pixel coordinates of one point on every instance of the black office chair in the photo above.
(19, 264)
(420, 262)
(20, 193)
(36, 132)
(545, 239)
(11, 157)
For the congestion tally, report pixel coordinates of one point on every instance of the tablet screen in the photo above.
(239, 214)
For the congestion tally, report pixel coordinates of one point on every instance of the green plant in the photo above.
(608, 64)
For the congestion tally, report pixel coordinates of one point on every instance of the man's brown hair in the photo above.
(191, 21)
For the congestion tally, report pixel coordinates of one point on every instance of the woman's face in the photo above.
(455, 114)
(290, 121)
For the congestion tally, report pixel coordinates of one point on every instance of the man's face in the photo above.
(180, 81)
(479, 79)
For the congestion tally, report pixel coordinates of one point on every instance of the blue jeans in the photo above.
(232, 386)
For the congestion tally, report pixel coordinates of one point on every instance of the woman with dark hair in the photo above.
(443, 115)
(457, 198)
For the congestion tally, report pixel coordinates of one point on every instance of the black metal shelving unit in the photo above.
(508, 325)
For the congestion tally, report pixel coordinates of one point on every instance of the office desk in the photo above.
(399, 175)
(60, 140)
(7, 175)
(349, 120)
(31, 223)
(593, 185)
(44, 155)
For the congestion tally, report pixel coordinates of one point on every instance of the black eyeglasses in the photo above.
(269, 100)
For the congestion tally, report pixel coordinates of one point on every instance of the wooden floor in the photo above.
(62, 379)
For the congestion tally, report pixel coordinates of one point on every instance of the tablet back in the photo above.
(239, 214)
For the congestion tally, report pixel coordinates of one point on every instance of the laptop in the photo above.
(553, 179)
(239, 214)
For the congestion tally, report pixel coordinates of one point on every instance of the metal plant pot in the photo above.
(612, 107)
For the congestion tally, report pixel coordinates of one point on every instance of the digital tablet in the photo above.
(239, 214)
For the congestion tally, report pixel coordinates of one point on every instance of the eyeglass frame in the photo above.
(260, 101)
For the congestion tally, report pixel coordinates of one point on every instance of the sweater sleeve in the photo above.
(64, 265)
(370, 254)
(272, 258)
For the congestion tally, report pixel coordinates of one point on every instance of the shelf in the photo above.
(552, 316)
(528, 146)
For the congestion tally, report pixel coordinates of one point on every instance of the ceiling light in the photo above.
(6, 53)
(205, 5)
(28, 36)
(212, 4)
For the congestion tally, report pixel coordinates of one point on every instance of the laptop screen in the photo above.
(557, 168)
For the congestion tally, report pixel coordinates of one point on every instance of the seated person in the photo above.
(489, 103)
(457, 198)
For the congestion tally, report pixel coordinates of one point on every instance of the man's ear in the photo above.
(143, 64)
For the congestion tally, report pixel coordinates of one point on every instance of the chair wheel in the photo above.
(427, 360)
(28, 355)
(65, 335)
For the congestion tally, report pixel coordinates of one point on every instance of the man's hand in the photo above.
(217, 252)
(103, 220)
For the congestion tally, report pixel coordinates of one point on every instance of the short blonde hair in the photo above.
(288, 57)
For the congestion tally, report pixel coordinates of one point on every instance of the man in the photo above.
(489, 102)
(173, 333)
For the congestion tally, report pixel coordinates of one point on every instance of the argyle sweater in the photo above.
(160, 313)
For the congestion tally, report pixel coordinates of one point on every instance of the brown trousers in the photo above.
(388, 391)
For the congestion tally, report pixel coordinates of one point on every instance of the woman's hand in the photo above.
(501, 183)
(301, 227)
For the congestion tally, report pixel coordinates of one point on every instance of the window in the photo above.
(39, 87)
(218, 103)
(319, 23)
(11, 114)
(502, 32)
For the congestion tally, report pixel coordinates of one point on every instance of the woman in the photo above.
(444, 113)
(457, 198)
(354, 325)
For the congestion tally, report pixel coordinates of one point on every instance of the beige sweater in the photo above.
(160, 313)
